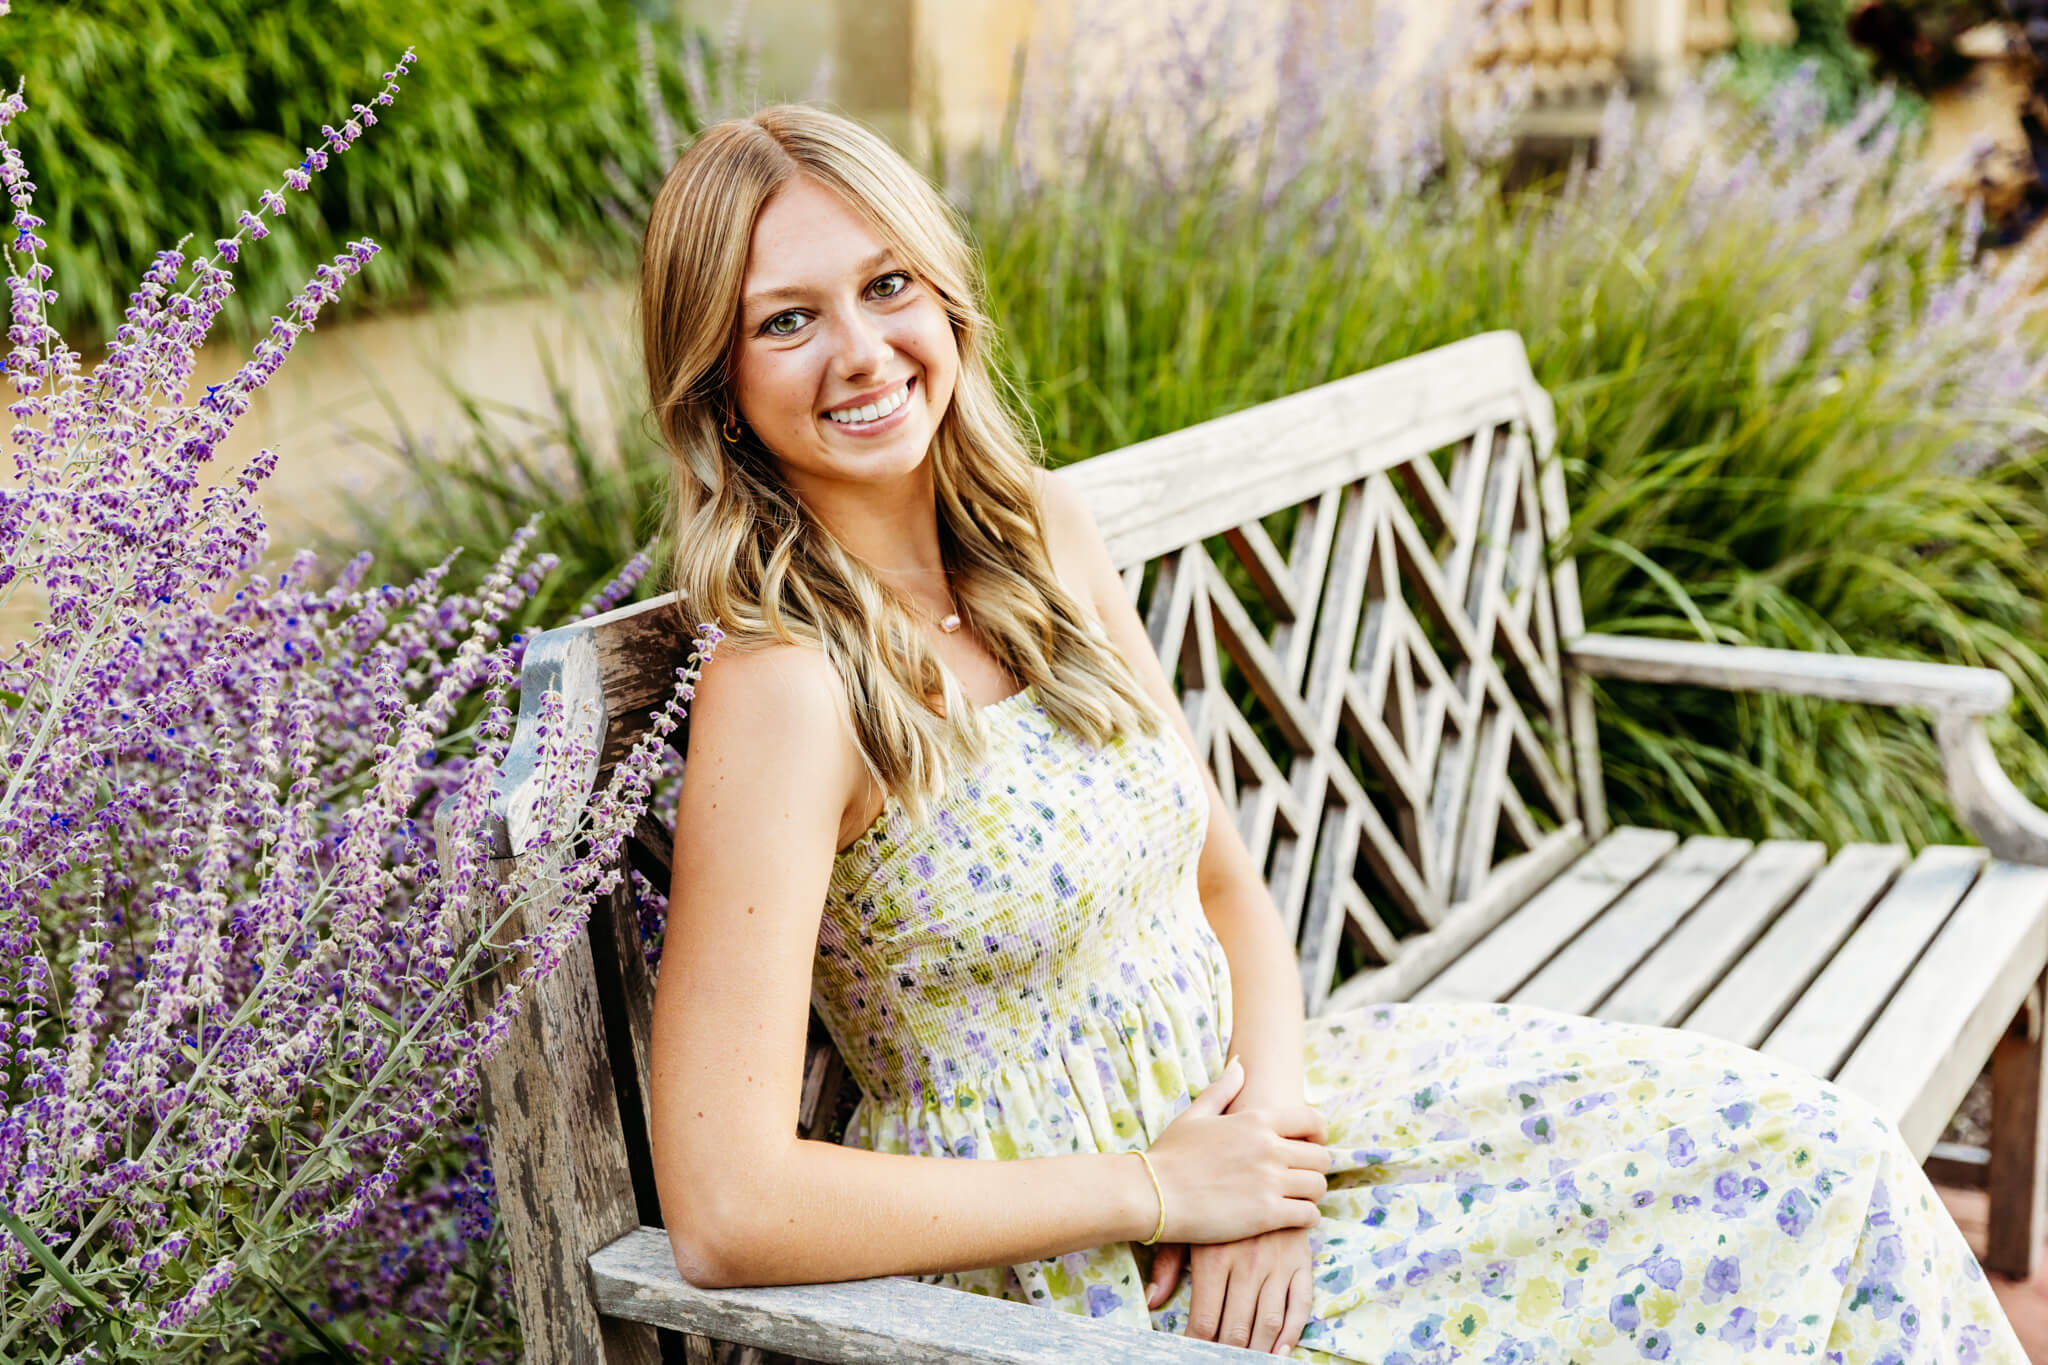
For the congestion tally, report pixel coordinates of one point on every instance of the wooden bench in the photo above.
(1396, 708)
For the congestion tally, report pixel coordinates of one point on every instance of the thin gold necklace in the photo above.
(951, 621)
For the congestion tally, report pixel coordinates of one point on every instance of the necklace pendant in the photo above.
(951, 623)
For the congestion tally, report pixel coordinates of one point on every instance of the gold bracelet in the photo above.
(1156, 1191)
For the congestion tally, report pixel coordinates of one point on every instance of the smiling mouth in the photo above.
(868, 414)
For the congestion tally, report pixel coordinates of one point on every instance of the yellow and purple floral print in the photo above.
(1030, 973)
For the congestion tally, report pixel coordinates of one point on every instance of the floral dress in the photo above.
(1030, 973)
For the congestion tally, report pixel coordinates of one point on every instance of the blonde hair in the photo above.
(748, 556)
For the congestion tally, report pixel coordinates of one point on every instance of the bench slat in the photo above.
(1162, 493)
(1689, 961)
(1917, 1061)
(1833, 1012)
(1756, 992)
(1601, 954)
(1501, 961)
(886, 1321)
(1424, 955)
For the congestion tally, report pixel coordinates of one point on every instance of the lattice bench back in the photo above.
(1382, 703)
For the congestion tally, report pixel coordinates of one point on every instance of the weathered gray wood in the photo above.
(1503, 959)
(615, 934)
(1986, 801)
(557, 1150)
(1461, 725)
(1748, 1002)
(1323, 918)
(887, 1321)
(1690, 959)
(566, 661)
(1424, 955)
(1921, 1054)
(1357, 594)
(1169, 491)
(1202, 693)
(1464, 806)
(1571, 625)
(1601, 954)
(1832, 1014)
(1270, 819)
(1308, 559)
(2018, 1168)
(825, 1076)
(1269, 572)
(1360, 918)
(1842, 677)
(1167, 618)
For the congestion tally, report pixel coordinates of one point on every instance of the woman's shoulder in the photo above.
(771, 699)
(1062, 507)
(1072, 540)
(1080, 557)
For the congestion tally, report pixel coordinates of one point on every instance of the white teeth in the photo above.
(869, 412)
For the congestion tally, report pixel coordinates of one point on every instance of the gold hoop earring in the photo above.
(729, 430)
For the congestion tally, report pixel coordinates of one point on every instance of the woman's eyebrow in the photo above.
(792, 291)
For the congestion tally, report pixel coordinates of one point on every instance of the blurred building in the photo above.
(889, 62)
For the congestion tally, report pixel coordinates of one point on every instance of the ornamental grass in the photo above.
(1797, 407)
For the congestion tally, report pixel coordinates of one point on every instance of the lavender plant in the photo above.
(233, 958)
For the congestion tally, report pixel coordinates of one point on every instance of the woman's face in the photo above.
(846, 360)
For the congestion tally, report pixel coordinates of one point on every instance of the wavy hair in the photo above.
(749, 556)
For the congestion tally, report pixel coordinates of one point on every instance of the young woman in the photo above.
(939, 787)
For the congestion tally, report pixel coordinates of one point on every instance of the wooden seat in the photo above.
(1399, 708)
(1870, 968)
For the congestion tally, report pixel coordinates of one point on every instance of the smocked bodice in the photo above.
(1036, 942)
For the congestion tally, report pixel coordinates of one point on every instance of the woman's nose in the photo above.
(863, 347)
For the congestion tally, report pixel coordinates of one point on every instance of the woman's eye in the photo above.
(897, 280)
(774, 326)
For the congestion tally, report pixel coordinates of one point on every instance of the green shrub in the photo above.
(1821, 51)
(157, 118)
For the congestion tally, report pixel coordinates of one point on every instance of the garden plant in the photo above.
(233, 956)
(155, 112)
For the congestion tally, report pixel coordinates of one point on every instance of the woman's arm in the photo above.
(1266, 1000)
(772, 771)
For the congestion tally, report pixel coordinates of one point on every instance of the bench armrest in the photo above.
(884, 1320)
(1841, 677)
(1987, 803)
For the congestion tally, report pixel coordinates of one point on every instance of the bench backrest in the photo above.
(1353, 590)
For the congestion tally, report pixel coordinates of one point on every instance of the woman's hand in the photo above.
(1253, 1293)
(1228, 1176)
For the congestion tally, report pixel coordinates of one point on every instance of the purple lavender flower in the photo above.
(221, 785)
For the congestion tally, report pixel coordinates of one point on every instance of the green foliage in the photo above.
(1822, 53)
(156, 118)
